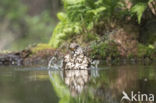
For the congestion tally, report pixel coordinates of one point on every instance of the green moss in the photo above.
(40, 47)
(5, 52)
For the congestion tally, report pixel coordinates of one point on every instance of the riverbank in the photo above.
(106, 30)
(42, 53)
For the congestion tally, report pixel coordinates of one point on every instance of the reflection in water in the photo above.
(75, 86)
(80, 86)
(76, 80)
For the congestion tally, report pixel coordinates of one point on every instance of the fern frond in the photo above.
(139, 9)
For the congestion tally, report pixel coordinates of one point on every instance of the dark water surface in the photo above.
(38, 85)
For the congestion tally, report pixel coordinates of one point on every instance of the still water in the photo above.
(103, 85)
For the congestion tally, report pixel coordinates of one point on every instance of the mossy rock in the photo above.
(40, 47)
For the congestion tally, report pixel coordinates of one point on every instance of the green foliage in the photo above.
(146, 51)
(81, 16)
(64, 30)
(139, 7)
(104, 50)
(84, 11)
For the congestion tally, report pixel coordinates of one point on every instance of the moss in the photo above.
(40, 47)
(104, 50)
(5, 52)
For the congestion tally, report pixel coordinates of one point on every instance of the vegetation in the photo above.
(40, 47)
(104, 26)
(146, 51)
(139, 8)
(105, 50)
(109, 30)
(82, 16)
(91, 20)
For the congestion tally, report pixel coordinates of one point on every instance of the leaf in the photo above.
(73, 1)
(98, 10)
(61, 16)
(139, 9)
(151, 46)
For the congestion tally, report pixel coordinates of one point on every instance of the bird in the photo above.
(77, 59)
(67, 58)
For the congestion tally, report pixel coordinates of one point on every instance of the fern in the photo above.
(82, 15)
(139, 9)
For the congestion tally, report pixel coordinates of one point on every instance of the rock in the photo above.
(27, 58)
(10, 59)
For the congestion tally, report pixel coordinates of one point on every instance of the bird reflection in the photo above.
(76, 68)
(76, 80)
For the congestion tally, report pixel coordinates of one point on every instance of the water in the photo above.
(39, 85)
